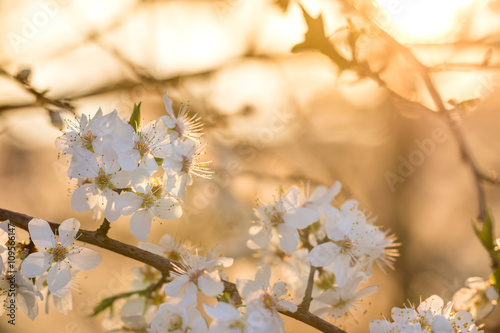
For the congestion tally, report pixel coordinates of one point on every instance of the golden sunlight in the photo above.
(422, 19)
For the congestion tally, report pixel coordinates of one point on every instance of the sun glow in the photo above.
(420, 19)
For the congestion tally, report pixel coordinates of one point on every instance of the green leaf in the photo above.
(315, 38)
(484, 231)
(135, 118)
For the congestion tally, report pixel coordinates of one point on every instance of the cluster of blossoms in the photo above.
(52, 261)
(302, 231)
(175, 307)
(120, 168)
(431, 315)
(124, 169)
(320, 253)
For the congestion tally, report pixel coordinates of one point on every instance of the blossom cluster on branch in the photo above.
(315, 256)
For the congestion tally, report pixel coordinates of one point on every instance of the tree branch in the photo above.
(162, 264)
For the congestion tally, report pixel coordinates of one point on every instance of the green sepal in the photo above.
(224, 297)
(135, 118)
(484, 231)
(159, 161)
(495, 277)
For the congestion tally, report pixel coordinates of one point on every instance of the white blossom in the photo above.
(63, 254)
(177, 319)
(199, 274)
(181, 126)
(431, 315)
(287, 216)
(16, 290)
(340, 301)
(353, 243)
(185, 163)
(228, 319)
(150, 199)
(263, 301)
(479, 297)
(99, 177)
(142, 147)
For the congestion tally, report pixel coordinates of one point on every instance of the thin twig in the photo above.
(306, 301)
(41, 99)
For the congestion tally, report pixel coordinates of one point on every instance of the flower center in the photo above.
(186, 164)
(345, 245)
(276, 219)
(87, 139)
(102, 180)
(178, 129)
(238, 324)
(59, 252)
(142, 145)
(175, 323)
(268, 301)
(150, 198)
(194, 276)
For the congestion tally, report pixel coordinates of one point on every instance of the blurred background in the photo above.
(358, 114)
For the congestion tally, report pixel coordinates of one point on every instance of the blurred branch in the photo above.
(425, 74)
(162, 264)
(41, 99)
(463, 67)
(109, 301)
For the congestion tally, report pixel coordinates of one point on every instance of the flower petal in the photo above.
(41, 234)
(140, 224)
(168, 208)
(222, 311)
(211, 284)
(168, 105)
(301, 217)
(190, 294)
(127, 203)
(83, 258)
(26, 298)
(67, 232)
(289, 238)
(84, 198)
(107, 203)
(323, 254)
(59, 279)
(121, 179)
(64, 303)
(173, 288)
(36, 264)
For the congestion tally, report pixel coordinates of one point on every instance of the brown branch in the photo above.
(162, 264)
(313, 321)
(463, 67)
(306, 301)
(103, 228)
